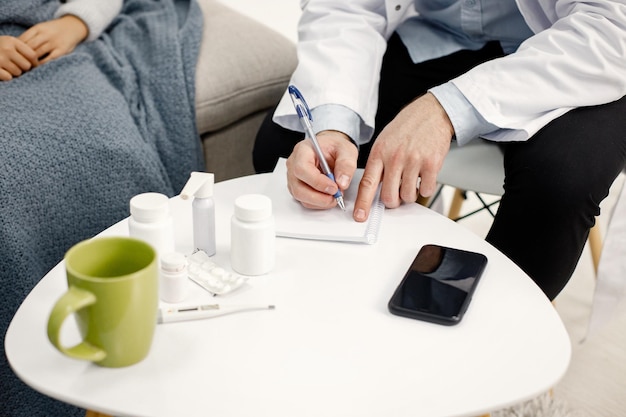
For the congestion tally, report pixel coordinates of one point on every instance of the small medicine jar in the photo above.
(253, 235)
(173, 279)
(150, 221)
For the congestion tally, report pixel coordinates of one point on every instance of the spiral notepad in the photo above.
(295, 221)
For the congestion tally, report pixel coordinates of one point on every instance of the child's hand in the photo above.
(16, 57)
(55, 38)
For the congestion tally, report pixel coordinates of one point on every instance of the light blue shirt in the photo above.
(443, 27)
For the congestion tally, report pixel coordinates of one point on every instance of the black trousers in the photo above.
(554, 182)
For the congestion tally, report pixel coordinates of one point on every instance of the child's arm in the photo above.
(96, 14)
(55, 38)
(16, 57)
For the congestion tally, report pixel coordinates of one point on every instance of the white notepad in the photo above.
(295, 221)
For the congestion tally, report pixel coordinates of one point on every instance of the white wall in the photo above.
(280, 15)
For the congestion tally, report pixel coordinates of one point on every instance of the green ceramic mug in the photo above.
(113, 293)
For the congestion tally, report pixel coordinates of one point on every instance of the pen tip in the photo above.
(341, 203)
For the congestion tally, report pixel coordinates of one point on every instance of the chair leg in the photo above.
(595, 244)
(90, 413)
(457, 202)
(422, 201)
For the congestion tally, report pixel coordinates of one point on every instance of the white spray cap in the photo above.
(199, 184)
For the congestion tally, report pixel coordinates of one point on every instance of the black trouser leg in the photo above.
(272, 142)
(553, 187)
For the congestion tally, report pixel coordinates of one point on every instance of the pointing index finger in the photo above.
(367, 190)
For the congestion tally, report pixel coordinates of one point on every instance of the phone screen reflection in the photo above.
(439, 281)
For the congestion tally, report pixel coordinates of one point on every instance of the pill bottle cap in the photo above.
(253, 207)
(173, 262)
(149, 207)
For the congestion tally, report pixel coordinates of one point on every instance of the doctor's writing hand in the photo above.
(409, 149)
(55, 38)
(307, 183)
(16, 57)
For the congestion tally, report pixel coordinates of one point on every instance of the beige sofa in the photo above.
(242, 71)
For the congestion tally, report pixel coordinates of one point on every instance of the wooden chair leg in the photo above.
(595, 244)
(422, 201)
(90, 413)
(457, 201)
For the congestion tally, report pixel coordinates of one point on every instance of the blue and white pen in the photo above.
(304, 114)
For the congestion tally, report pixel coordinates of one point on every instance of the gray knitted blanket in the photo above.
(79, 136)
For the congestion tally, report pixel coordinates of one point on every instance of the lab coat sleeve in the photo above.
(575, 59)
(340, 49)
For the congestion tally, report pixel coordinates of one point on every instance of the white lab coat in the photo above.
(577, 57)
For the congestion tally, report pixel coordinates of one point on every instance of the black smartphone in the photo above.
(439, 285)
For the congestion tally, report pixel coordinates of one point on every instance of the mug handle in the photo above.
(70, 302)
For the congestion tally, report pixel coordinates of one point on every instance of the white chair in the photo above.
(478, 167)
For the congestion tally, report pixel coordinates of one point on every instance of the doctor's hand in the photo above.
(408, 154)
(307, 183)
(55, 38)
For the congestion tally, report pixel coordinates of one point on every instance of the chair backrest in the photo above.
(477, 166)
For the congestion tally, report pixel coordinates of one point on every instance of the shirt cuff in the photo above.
(337, 117)
(467, 122)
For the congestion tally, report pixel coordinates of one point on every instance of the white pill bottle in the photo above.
(252, 235)
(173, 278)
(150, 220)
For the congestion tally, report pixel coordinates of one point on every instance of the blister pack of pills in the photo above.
(210, 276)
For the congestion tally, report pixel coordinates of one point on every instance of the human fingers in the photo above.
(14, 65)
(306, 182)
(410, 182)
(397, 162)
(38, 38)
(367, 189)
(29, 56)
(413, 147)
(44, 40)
(427, 179)
(29, 34)
(57, 37)
(5, 75)
(48, 48)
(342, 156)
(15, 56)
(11, 68)
(53, 54)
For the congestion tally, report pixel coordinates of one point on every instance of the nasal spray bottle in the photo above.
(200, 186)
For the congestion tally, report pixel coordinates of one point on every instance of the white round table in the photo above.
(330, 348)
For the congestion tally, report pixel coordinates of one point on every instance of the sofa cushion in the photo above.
(243, 67)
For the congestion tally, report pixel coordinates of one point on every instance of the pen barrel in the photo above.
(308, 129)
(332, 177)
(304, 114)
